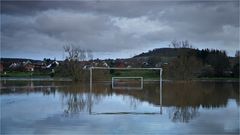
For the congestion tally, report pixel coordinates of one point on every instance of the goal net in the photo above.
(125, 78)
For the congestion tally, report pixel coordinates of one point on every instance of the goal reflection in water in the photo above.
(128, 82)
(123, 100)
(181, 101)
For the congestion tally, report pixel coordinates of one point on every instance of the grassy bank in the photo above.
(218, 78)
(146, 74)
(24, 74)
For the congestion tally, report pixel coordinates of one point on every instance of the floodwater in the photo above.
(58, 107)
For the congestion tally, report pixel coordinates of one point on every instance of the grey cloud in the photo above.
(113, 26)
(123, 8)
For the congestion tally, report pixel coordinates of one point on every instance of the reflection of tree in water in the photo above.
(196, 94)
(77, 98)
(183, 114)
(79, 102)
(75, 103)
(235, 93)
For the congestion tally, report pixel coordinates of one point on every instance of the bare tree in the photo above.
(74, 53)
(175, 44)
(73, 61)
(186, 65)
(180, 44)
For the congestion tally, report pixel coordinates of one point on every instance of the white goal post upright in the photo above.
(160, 87)
(109, 68)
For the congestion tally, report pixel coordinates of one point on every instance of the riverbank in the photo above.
(148, 77)
(35, 79)
(217, 79)
(24, 74)
(47, 78)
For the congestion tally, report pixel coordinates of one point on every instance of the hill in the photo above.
(16, 60)
(162, 52)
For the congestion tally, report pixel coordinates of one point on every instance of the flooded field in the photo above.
(63, 107)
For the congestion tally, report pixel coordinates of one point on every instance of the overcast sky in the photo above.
(115, 29)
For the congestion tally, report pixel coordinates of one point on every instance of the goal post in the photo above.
(125, 72)
(126, 79)
(126, 75)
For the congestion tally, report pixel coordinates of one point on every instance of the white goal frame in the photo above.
(142, 80)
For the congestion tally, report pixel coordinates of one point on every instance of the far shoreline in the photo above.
(146, 80)
(34, 79)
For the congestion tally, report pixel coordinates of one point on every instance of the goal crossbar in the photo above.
(126, 68)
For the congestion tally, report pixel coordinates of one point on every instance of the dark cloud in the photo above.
(115, 26)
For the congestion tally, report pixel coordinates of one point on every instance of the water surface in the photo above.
(59, 107)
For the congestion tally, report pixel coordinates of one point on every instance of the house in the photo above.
(129, 66)
(104, 64)
(39, 66)
(94, 64)
(15, 65)
(120, 64)
(53, 64)
(29, 67)
(87, 66)
(145, 65)
(161, 64)
(26, 62)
